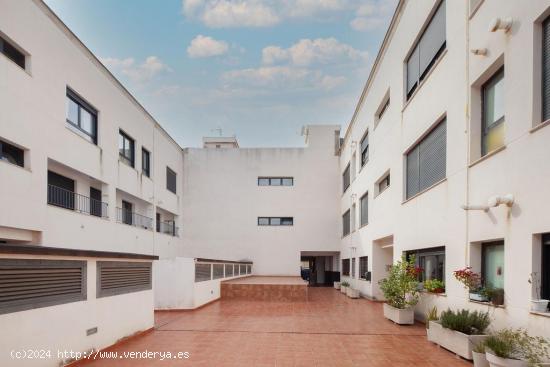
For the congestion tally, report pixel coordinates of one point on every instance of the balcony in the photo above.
(67, 199)
(133, 219)
(167, 227)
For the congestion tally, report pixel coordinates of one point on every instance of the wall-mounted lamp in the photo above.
(479, 51)
(501, 24)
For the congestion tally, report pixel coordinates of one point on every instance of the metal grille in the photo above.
(133, 219)
(546, 69)
(242, 269)
(116, 277)
(29, 284)
(248, 269)
(218, 271)
(203, 272)
(228, 270)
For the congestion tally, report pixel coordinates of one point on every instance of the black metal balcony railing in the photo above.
(137, 220)
(68, 199)
(167, 227)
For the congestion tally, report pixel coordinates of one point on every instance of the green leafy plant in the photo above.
(479, 348)
(434, 286)
(495, 295)
(400, 288)
(431, 315)
(518, 344)
(344, 284)
(466, 321)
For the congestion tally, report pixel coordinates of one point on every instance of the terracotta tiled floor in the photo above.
(329, 330)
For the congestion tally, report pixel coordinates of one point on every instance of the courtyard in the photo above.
(328, 330)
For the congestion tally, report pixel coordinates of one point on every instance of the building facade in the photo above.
(445, 157)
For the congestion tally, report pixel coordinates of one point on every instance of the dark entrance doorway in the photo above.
(318, 270)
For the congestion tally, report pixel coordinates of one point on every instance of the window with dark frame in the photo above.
(492, 118)
(546, 69)
(363, 267)
(364, 209)
(426, 162)
(12, 154)
(384, 183)
(146, 162)
(427, 50)
(345, 267)
(431, 261)
(12, 53)
(385, 106)
(346, 178)
(346, 223)
(127, 212)
(275, 221)
(126, 148)
(171, 180)
(365, 149)
(545, 266)
(81, 116)
(492, 264)
(61, 191)
(275, 181)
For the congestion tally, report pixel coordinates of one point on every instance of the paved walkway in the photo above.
(329, 330)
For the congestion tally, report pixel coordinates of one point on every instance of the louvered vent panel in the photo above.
(116, 277)
(203, 272)
(248, 269)
(218, 271)
(28, 284)
(228, 270)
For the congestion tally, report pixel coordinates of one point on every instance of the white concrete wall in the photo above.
(435, 218)
(223, 201)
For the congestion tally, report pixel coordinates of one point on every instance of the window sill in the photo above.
(364, 280)
(424, 191)
(80, 134)
(381, 192)
(433, 293)
(123, 161)
(543, 314)
(539, 126)
(487, 156)
(25, 69)
(15, 165)
(487, 304)
(408, 102)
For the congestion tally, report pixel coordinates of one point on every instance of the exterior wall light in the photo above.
(501, 24)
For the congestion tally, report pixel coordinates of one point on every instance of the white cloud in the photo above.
(267, 76)
(306, 52)
(143, 72)
(305, 8)
(372, 15)
(238, 13)
(203, 46)
(329, 82)
(366, 23)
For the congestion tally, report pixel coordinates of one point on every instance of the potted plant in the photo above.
(537, 304)
(343, 286)
(434, 286)
(459, 331)
(478, 354)
(336, 285)
(431, 315)
(400, 290)
(471, 281)
(495, 295)
(515, 348)
(352, 293)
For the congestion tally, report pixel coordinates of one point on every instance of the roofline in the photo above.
(374, 68)
(51, 14)
(18, 249)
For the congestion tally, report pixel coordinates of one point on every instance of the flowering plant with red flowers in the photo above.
(469, 278)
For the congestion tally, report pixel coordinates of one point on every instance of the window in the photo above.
(126, 148)
(275, 221)
(492, 264)
(384, 183)
(12, 53)
(426, 51)
(546, 69)
(365, 149)
(118, 277)
(60, 191)
(170, 180)
(384, 106)
(345, 267)
(275, 181)
(345, 178)
(492, 103)
(346, 223)
(365, 209)
(431, 261)
(364, 268)
(545, 267)
(97, 208)
(146, 162)
(12, 154)
(81, 116)
(127, 212)
(426, 162)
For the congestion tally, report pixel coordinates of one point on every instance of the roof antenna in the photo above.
(218, 129)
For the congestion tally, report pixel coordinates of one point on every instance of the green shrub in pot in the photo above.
(434, 286)
(465, 321)
(517, 344)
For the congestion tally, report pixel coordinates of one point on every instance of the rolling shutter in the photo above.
(116, 277)
(29, 284)
(546, 70)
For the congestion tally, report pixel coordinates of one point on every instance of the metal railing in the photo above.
(68, 199)
(133, 219)
(167, 227)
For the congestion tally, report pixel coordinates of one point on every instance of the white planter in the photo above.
(343, 289)
(539, 305)
(352, 293)
(455, 341)
(478, 297)
(336, 285)
(480, 360)
(495, 361)
(399, 316)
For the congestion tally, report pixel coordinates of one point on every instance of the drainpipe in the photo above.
(468, 133)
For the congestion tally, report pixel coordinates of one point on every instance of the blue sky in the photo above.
(257, 69)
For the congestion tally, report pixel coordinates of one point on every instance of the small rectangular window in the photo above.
(287, 181)
(493, 113)
(12, 154)
(365, 209)
(146, 162)
(275, 221)
(365, 149)
(346, 178)
(346, 223)
(364, 267)
(81, 116)
(275, 181)
(263, 221)
(126, 148)
(345, 267)
(546, 69)
(384, 183)
(12, 53)
(170, 180)
(263, 181)
(287, 221)
(383, 108)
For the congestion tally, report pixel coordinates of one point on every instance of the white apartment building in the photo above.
(454, 113)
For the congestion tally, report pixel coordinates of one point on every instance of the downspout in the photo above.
(468, 137)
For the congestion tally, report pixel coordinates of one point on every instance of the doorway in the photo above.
(319, 269)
